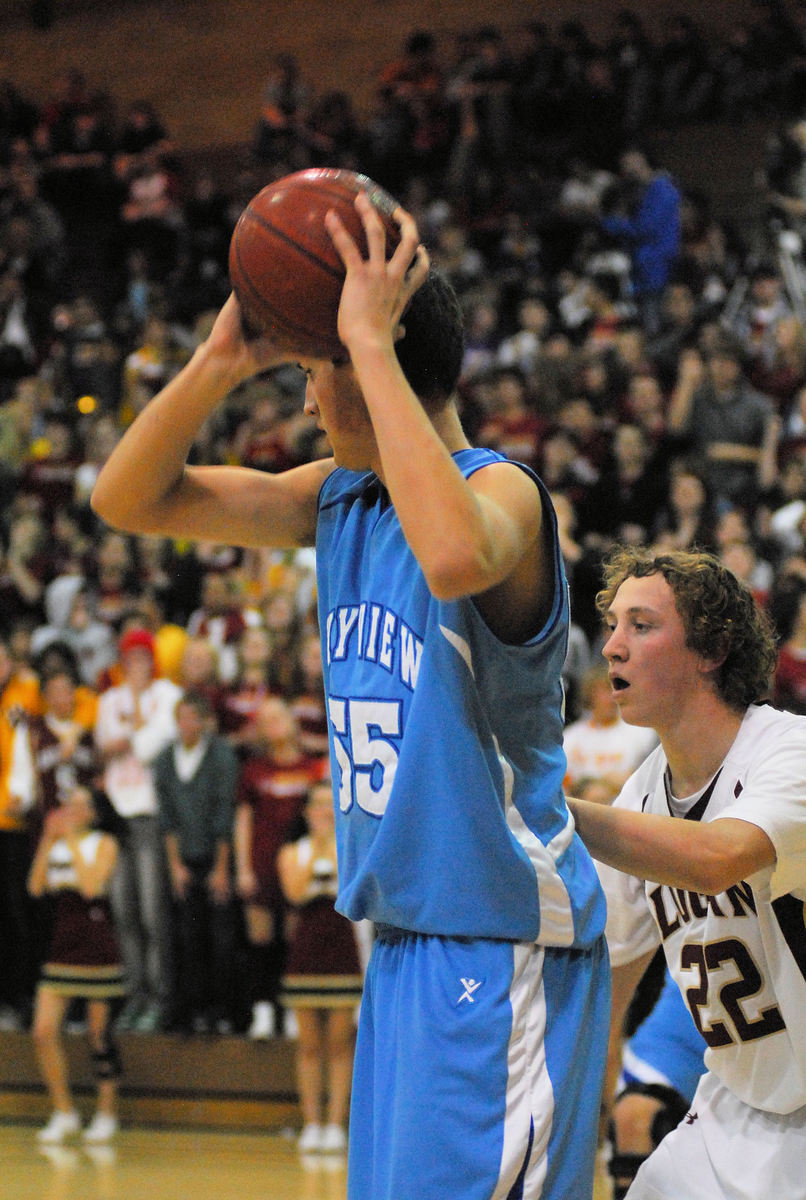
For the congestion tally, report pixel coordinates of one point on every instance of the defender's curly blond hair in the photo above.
(719, 614)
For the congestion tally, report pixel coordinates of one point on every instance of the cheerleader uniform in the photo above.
(83, 956)
(324, 969)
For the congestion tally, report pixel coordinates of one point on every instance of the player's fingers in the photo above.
(421, 264)
(409, 242)
(341, 239)
(373, 227)
(417, 273)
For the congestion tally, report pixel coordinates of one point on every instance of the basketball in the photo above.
(285, 270)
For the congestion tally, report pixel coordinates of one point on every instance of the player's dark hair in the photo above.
(719, 614)
(432, 349)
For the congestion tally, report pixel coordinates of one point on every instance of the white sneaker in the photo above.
(262, 1020)
(10, 1020)
(102, 1128)
(63, 1158)
(334, 1140)
(103, 1155)
(290, 1025)
(60, 1126)
(310, 1140)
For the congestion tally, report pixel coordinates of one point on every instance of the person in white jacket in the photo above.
(135, 721)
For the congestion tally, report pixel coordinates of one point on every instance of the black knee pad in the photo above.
(620, 1189)
(106, 1063)
(673, 1108)
(623, 1169)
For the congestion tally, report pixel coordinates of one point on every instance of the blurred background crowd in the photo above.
(646, 356)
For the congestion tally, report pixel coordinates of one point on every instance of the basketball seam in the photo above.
(314, 258)
(267, 309)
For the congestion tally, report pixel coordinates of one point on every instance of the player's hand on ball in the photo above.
(376, 291)
(230, 345)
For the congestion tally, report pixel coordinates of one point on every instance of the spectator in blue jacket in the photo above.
(648, 226)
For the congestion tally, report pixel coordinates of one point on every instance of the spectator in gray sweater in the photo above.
(195, 779)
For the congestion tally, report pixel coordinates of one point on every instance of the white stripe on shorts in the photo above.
(530, 1096)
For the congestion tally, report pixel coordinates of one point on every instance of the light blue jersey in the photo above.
(483, 1030)
(446, 743)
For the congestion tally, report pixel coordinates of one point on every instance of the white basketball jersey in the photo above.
(739, 958)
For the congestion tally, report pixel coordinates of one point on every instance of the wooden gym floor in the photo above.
(173, 1164)
(202, 1119)
(162, 1164)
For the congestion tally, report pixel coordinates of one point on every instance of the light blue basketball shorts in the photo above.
(478, 1070)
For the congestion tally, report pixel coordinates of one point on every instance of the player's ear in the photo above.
(711, 663)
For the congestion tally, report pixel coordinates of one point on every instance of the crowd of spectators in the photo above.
(647, 358)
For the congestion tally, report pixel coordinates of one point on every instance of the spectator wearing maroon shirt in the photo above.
(198, 672)
(513, 427)
(49, 475)
(272, 790)
(789, 683)
(308, 706)
(220, 620)
(241, 699)
(115, 584)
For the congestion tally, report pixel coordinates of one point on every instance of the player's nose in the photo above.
(310, 407)
(614, 648)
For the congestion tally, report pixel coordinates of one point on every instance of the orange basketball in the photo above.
(283, 266)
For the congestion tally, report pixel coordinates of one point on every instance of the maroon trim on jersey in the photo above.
(790, 913)
(697, 811)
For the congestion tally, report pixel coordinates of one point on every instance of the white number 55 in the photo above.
(367, 733)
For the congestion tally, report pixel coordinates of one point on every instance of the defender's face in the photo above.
(652, 670)
(334, 398)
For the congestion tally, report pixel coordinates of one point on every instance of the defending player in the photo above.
(715, 822)
(444, 614)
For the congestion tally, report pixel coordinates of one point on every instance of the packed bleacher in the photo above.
(644, 355)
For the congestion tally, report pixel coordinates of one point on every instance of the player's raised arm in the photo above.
(147, 487)
(470, 537)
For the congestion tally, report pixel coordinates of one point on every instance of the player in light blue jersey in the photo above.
(444, 620)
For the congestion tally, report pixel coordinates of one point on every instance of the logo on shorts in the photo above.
(470, 986)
